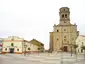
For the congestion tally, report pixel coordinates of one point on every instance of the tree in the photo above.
(75, 46)
(83, 47)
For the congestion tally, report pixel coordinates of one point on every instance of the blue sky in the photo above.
(35, 18)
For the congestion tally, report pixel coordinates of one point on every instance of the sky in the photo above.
(30, 19)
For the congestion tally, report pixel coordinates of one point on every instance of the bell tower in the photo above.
(64, 34)
(64, 14)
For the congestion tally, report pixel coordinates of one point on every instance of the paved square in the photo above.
(41, 58)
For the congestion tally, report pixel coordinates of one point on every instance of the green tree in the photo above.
(83, 47)
(75, 46)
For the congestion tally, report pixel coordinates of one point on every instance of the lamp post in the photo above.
(25, 49)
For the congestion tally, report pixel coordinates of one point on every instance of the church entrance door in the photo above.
(65, 49)
(11, 50)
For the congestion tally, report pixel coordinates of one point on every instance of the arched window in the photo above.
(17, 49)
(64, 9)
(5, 48)
(64, 36)
(65, 15)
(38, 48)
(62, 15)
(57, 30)
(28, 48)
(64, 40)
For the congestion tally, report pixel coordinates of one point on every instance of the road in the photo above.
(41, 59)
(8, 59)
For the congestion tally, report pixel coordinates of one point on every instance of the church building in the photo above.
(64, 34)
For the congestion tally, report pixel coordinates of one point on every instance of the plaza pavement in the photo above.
(44, 58)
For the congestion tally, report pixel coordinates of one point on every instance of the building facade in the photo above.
(64, 34)
(1, 43)
(39, 44)
(80, 41)
(30, 48)
(13, 44)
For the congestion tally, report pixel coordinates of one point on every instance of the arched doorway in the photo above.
(11, 50)
(65, 49)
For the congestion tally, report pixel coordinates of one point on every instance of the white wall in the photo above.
(17, 44)
(80, 41)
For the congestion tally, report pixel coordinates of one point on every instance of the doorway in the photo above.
(11, 50)
(65, 49)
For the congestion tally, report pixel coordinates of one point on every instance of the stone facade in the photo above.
(64, 34)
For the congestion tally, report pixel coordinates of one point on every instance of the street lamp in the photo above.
(25, 49)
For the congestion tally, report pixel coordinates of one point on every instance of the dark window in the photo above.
(17, 49)
(64, 9)
(57, 39)
(5, 48)
(38, 48)
(64, 36)
(65, 15)
(42, 44)
(81, 50)
(28, 48)
(57, 30)
(62, 15)
(12, 44)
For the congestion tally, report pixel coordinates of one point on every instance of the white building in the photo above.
(80, 41)
(30, 47)
(13, 44)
